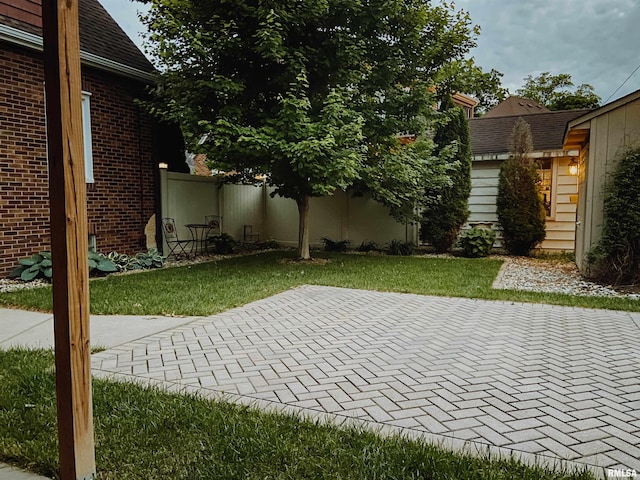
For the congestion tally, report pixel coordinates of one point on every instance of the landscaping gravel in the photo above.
(522, 273)
(7, 285)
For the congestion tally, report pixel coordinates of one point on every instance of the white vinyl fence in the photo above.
(188, 198)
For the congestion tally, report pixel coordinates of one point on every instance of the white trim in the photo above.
(536, 154)
(29, 40)
(86, 137)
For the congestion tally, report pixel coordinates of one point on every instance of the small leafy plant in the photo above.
(140, 261)
(36, 266)
(369, 246)
(148, 259)
(39, 265)
(398, 247)
(99, 264)
(223, 244)
(335, 246)
(477, 242)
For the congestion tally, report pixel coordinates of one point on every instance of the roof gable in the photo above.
(493, 135)
(100, 35)
(517, 106)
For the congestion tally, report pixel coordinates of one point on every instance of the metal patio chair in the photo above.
(177, 247)
(215, 224)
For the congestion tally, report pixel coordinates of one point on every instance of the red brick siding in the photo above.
(122, 199)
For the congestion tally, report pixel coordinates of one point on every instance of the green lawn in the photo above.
(209, 288)
(148, 434)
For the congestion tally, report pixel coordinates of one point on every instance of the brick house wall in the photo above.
(122, 199)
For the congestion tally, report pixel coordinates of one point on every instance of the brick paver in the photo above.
(534, 379)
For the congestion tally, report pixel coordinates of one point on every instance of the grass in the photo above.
(209, 288)
(151, 434)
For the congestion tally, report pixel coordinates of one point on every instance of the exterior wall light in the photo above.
(573, 167)
(163, 165)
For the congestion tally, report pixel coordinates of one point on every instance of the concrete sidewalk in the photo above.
(19, 328)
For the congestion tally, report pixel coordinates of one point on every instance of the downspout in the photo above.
(156, 186)
(143, 223)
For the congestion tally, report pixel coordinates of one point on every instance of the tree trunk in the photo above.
(303, 228)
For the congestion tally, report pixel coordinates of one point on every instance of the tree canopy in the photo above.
(555, 92)
(312, 94)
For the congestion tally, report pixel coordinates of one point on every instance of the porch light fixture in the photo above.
(163, 165)
(573, 167)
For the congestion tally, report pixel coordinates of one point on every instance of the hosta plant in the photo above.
(477, 242)
(39, 265)
(36, 266)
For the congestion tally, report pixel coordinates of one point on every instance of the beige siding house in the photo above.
(490, 138)
(599, 135)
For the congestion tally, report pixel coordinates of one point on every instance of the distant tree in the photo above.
(465, 77)
(446, 209)
(518, 204)
(309, 94)
(555, 93)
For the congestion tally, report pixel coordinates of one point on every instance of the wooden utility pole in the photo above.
(69, 242)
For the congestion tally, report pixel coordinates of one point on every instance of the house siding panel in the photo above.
(560, 227)
(609, 132)
(122, 199)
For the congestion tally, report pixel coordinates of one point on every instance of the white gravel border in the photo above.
(522, 273)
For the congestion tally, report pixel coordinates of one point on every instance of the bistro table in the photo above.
(199, 233)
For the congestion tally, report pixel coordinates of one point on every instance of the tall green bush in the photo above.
(616, 257)
(518, 204)
(448, 209)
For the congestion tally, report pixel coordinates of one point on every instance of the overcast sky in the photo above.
(596, 41)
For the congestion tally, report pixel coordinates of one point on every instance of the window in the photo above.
(545, 184)
(86, 134)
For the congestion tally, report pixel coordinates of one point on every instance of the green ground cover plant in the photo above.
(209, 288)
(145, 433)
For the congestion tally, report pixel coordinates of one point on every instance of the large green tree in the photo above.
(446, 209)
(555, 92)
(518, 203)
(310, 93)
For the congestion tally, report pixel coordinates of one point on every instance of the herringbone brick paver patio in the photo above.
(534, 379)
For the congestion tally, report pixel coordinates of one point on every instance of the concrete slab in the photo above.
(11, 473)
(20, 328)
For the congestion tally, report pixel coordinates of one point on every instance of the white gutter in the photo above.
(34, 42)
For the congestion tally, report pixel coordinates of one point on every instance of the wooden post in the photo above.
(69, 241)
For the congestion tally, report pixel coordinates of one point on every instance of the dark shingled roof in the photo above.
(516, 106)
(492, 135)
(100, 35)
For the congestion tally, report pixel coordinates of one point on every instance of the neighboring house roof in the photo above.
(492, 135)
(103, 43)
(516, 106)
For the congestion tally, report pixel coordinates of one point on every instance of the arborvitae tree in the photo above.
(447, 210)
(519, 205)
